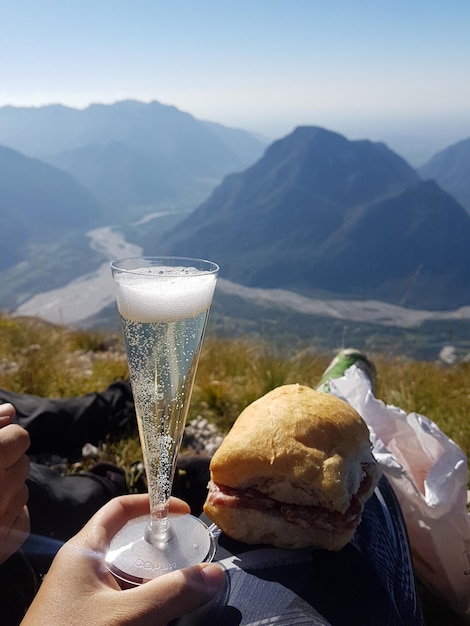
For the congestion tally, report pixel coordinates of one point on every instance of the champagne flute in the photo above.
(163, 304)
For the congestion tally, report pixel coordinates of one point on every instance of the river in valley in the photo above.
(87, 295)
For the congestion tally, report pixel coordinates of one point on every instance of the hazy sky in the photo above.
(265, 65)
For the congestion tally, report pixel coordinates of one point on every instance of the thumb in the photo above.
(159, 601)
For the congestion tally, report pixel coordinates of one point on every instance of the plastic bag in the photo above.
(428, 473)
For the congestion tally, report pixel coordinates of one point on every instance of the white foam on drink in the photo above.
(163, 294)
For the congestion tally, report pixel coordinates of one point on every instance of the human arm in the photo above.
(79, 588)
(14, 467)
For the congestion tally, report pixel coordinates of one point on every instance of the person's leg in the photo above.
(369, 582)
(59, 506)
(63, 425)
(344, 360)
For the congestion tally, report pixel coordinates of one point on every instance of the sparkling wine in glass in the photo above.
(163, 304)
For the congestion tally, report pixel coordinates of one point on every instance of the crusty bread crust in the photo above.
(296, 445)
(254, 527)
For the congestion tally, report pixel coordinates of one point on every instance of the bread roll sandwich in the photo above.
(294, 471)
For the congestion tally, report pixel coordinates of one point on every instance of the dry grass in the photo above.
(52, 361)
(432, 389)
(233, 373)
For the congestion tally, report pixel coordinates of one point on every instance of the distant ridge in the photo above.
(132, 156)
(38, 204)
(450, 168)
(321, 213)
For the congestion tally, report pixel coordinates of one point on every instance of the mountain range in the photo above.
(314, 212)
(132, 156)
(321, 214)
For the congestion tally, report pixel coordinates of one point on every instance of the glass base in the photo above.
(133, 560)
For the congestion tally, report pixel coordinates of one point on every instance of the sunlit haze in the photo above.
(366, 68)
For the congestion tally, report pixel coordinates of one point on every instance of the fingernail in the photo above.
(213, 576)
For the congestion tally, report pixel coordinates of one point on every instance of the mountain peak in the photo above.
(328, 165)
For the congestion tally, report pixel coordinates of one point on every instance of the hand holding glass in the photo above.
(163, 304)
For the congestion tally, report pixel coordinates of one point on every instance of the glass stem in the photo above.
(159, 528)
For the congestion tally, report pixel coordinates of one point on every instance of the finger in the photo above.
(179, 506)
(102, 527)
(12, 479)
(98, 532)
(7, 414)
(92, 542)
(174, 594)
(12, 482)
(15, 509)
(15, 531)
(87, 549)
(14, 441)
(18, 472)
